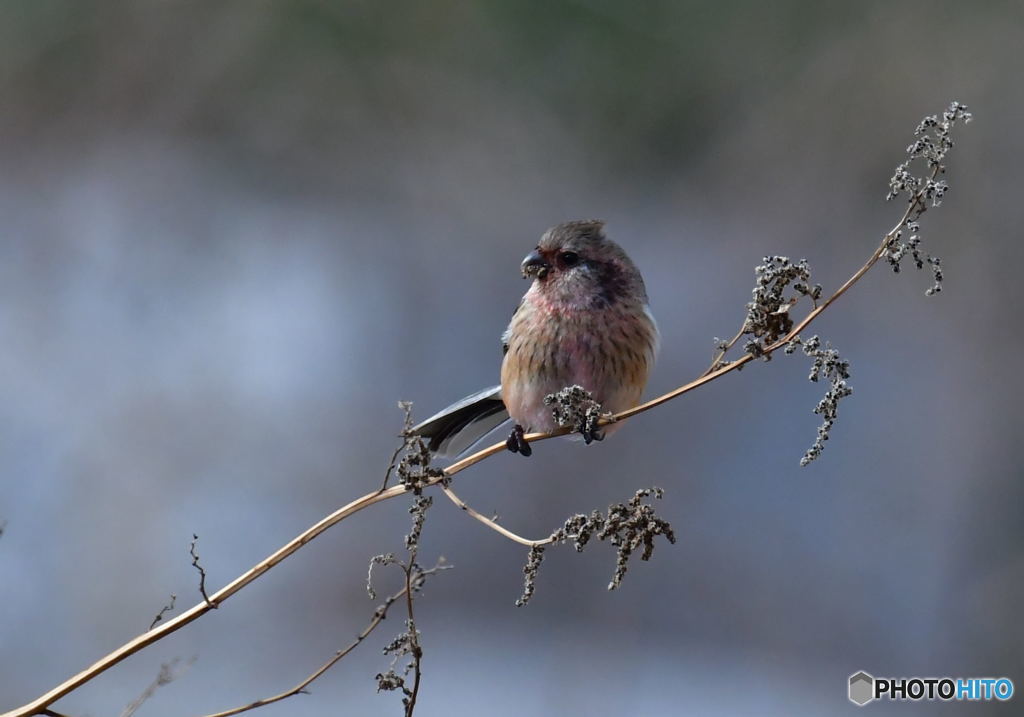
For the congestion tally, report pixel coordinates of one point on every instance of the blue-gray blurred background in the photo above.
(233, 235)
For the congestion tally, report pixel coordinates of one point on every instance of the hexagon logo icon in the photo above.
(862, 687)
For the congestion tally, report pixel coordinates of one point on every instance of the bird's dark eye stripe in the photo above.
(569, 258)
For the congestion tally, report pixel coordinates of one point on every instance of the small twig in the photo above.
(391, 466)
(378, 617)
(723, 349)
(491, 523)
(202, 573)
(163, 611)
(406, 406)
(412, 545)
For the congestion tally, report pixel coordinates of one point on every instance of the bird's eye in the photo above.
(569, 258)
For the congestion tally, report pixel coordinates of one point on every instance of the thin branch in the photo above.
(194, 613)
(391, 466)
(202, 573)
(492, 524)
(140, 642)
(414, 640)
(163, 611)
(722, 351)
(378, 618)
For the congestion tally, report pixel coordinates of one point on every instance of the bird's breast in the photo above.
(609, 352)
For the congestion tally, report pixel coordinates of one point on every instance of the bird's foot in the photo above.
(591, 433)
(588, 425)
(517, 444)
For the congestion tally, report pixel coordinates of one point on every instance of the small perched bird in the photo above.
(584, 321)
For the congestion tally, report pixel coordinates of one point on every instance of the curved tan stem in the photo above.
(493, 525)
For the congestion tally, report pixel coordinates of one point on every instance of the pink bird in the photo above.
(584, 321)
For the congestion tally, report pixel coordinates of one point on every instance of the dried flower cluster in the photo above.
(533, 560)
(933, 141)
(768, 317)
(779, 285)
(627, 526)
(418, 510)
(414, 469)
(827, 364)
(575, 407)
(406, 644)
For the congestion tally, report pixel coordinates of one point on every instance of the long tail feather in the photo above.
(465, 422)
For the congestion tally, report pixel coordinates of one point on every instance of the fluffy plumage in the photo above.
(584, 320)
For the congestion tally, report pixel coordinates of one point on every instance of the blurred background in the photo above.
(235, 234)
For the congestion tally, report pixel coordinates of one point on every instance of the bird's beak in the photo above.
(535, 265)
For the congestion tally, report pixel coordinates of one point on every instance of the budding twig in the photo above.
(202, 572)
(163, 611)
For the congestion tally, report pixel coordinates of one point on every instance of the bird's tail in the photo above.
(465, 422)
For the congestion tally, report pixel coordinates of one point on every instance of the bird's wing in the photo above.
(505, 335)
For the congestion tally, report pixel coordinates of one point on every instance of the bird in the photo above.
(584, 321)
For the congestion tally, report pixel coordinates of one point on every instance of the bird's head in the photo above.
(576, 264)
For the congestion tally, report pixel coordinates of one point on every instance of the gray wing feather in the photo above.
(465, 422)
